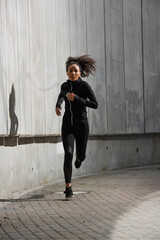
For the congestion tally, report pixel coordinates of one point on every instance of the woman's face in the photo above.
(73, 72)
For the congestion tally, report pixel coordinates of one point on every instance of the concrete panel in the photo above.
(117, 154)
(78, 33)
(151, 46)
(25, 166)
(96, 48)
(133, 66)
(63, 43)
(50, 65)
(11, 43)
(36, 67)
(129, 153)
(25, 122)
(29, 165)
(3, 83)
(115, 66)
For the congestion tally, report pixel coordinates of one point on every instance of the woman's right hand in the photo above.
(58, 111)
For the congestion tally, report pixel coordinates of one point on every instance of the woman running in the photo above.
(77, 95)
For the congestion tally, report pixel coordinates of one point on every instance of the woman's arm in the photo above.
(92, 102)
(59, 103)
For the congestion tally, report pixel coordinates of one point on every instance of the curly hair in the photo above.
(86, 63)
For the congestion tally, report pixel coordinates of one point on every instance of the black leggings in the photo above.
(80, 134)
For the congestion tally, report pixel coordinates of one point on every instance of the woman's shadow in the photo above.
(12, 115)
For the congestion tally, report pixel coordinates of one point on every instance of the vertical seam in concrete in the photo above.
(142, 42)
(69, 26)
(42, 37)
(7, 100)
(55, 8)
(29, 43)
(105, 53)
(85, 7)
(43, 19)
(55, 5)
(56, 50)
(18, 100)
(86, 27)
(124, 68)
(6, 112)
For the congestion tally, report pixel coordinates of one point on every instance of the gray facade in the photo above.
(36, 37)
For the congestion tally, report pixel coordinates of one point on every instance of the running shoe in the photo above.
(69, 192)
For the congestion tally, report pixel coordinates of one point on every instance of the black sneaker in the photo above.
(69, 192)
(77, 163)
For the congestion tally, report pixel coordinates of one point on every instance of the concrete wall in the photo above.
(33, 162)
(36, 37)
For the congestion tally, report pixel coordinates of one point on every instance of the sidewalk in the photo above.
(122, 204)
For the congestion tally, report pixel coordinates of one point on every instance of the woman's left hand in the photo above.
(70, 96)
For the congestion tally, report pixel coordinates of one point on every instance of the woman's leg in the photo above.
(68, 144)
(81, 135)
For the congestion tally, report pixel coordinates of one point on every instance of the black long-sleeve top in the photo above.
(84, 97)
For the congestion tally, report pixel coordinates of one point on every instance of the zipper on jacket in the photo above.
(71, 107)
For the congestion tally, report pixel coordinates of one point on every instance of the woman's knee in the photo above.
(68, 156)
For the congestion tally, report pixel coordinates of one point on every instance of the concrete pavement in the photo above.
(122, 204)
